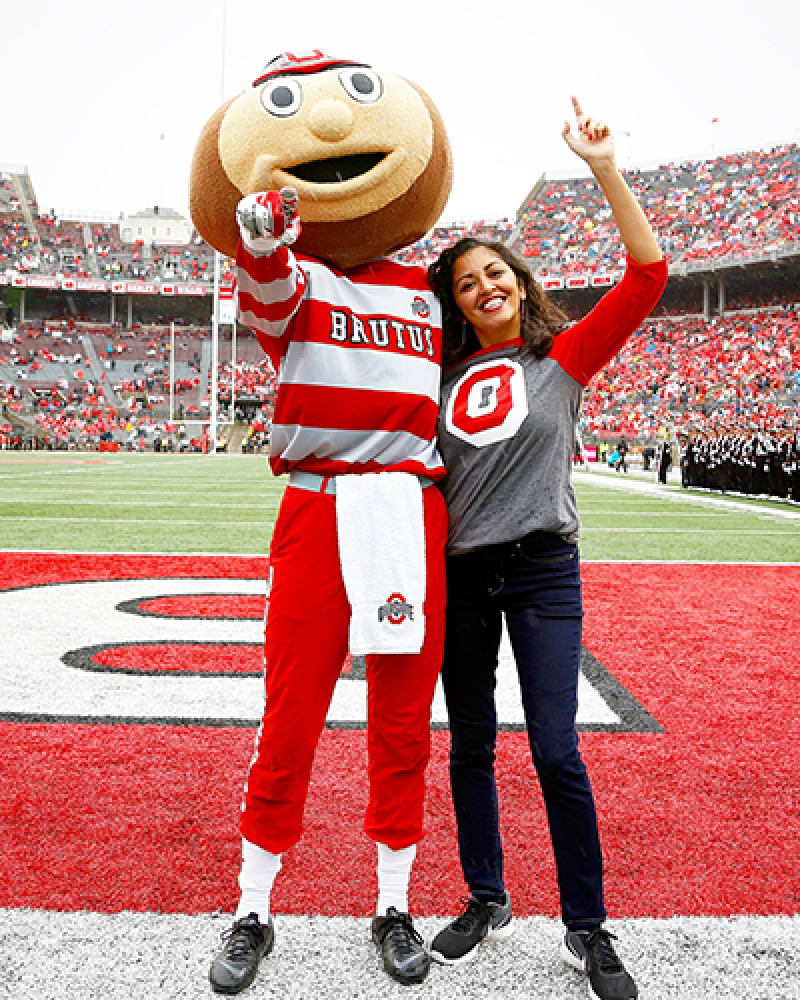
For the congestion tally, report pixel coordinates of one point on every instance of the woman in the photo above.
(510, 403)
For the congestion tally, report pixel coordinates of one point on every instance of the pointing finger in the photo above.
(577, 107)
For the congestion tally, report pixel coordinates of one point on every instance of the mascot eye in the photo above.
(282, 98)
(361, 84)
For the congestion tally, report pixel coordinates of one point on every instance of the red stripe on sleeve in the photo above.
(269, 312)
(270, 267)
(592, 342)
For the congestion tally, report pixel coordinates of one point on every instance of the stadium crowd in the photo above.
(717, 380)
(686, 371)
(440, 237)
(740, 205)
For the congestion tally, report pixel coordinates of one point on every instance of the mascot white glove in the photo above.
(268, 220)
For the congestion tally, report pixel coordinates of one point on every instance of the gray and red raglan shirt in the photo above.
(508, 420)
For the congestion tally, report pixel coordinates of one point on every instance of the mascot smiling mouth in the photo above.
(337, 168)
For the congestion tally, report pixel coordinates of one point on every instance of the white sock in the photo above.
(394, 874)
(258, 872)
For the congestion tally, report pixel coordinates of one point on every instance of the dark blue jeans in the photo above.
(535, 583)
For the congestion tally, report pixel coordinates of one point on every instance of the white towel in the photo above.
(382, 551)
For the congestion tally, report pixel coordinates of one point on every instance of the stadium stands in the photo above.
(730, 225)
(687, 372)
(441, 237)
(733, 207)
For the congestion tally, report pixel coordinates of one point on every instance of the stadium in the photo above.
(137, 511)
(90, 308)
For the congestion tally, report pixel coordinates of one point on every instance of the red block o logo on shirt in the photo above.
(488, 403)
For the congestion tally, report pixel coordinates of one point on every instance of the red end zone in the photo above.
(700, 819)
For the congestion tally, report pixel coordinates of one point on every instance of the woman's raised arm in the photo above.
(595, 145)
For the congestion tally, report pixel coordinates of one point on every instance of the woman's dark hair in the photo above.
(541, 321)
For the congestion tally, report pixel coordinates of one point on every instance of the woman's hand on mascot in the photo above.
(268, 219)
(593, 143)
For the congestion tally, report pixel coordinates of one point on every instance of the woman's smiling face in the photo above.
(488, 294)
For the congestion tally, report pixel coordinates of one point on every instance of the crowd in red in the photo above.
(686, 372)
(252, 378)
(441, 237)
(742, 367)
(738, 369)
(740, 205)
(76, 408)
(70, 248)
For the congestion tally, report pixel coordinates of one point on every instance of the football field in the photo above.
(131, 610)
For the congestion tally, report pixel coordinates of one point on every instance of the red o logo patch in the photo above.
(488, 403)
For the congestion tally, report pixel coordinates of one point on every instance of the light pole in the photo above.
(172, 372)
(214, 389)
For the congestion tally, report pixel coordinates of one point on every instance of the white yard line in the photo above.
(125, 491)
(121, 520)
(88, 464)
(104, 499)
(589, 530)
(205, 554)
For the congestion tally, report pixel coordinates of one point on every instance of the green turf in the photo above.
(137, 503)
(86, 502)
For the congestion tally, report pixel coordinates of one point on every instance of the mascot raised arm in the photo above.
(310, 179)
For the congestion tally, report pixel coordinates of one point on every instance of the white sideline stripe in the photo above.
(123, 492)
(641, 512)
(675, 494)
(99, 464)
(788, 533)
(132, 956)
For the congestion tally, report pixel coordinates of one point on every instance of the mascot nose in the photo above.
(331, 120)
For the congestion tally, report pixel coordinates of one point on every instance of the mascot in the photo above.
(367, 154)
(309, 180)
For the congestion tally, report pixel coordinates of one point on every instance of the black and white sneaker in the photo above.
(593, 953)
(404, 955)
(234, 967)
(480, 921)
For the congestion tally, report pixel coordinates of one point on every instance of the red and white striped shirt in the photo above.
(358, 357)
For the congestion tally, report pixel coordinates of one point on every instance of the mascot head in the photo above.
(366, 151)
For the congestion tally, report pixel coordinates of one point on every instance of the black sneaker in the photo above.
(234, 968)
(404, 956)
(593, 953)
(480, 921)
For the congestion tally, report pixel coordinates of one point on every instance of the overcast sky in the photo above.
(90, 87)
